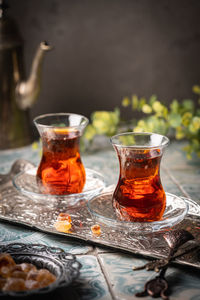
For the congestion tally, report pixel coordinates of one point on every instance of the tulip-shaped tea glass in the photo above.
(61, 171)
(139, 195)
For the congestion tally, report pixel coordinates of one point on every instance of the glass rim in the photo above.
(36, 119)
(163, 144)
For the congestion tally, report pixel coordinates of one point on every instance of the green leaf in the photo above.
(152, 99)
(158, 125)
(180, 134)
(196, 89)
(194, 125)
(181, 118)
(146, 109)
(186, 118)
(195, 144)
(142, 123)
(196, 122)
(165, 113)
(141, 126)
(105, 122)
(138, 129)
(152, 124)
(188, 105)
(135, 102)
(198, 112)
(90, 132)
(174, 106)
(174, 120)
(142, 102)
(126, 102)
(157, 107)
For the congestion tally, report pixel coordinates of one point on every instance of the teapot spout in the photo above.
(28, 91)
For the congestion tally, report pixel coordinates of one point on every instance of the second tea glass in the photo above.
(139, 195)
(61, 171)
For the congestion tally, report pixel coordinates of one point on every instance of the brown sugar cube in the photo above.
(18, 274)
(45, 277)
(5, 271)
(25, 267)
(32, 275)
(14, 284)
(2, 282)
(96, 229)
(63, 226)
(64, 217)
(16, 268)
(6, 260)
(32, 284)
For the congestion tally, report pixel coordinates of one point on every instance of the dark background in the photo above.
(107, 49)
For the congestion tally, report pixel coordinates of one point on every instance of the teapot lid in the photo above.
(9, 33)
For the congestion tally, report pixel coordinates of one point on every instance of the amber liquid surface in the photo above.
(139, 195)
(61, 171)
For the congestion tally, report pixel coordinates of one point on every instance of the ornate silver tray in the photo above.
(19, 209)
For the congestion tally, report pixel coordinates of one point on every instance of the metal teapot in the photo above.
(17, 94)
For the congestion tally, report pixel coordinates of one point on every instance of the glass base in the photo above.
(25, 182)
(102, 211)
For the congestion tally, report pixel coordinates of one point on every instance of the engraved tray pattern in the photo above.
(19, 209)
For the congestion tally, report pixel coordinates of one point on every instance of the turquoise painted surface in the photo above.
(16, 234)
(91, 284)
(185, 285)
(8, 157)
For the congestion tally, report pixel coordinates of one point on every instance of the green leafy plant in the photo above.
(102, 123)
(180, 120)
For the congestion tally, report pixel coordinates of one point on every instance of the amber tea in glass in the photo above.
(61, 171)
(139, 195)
